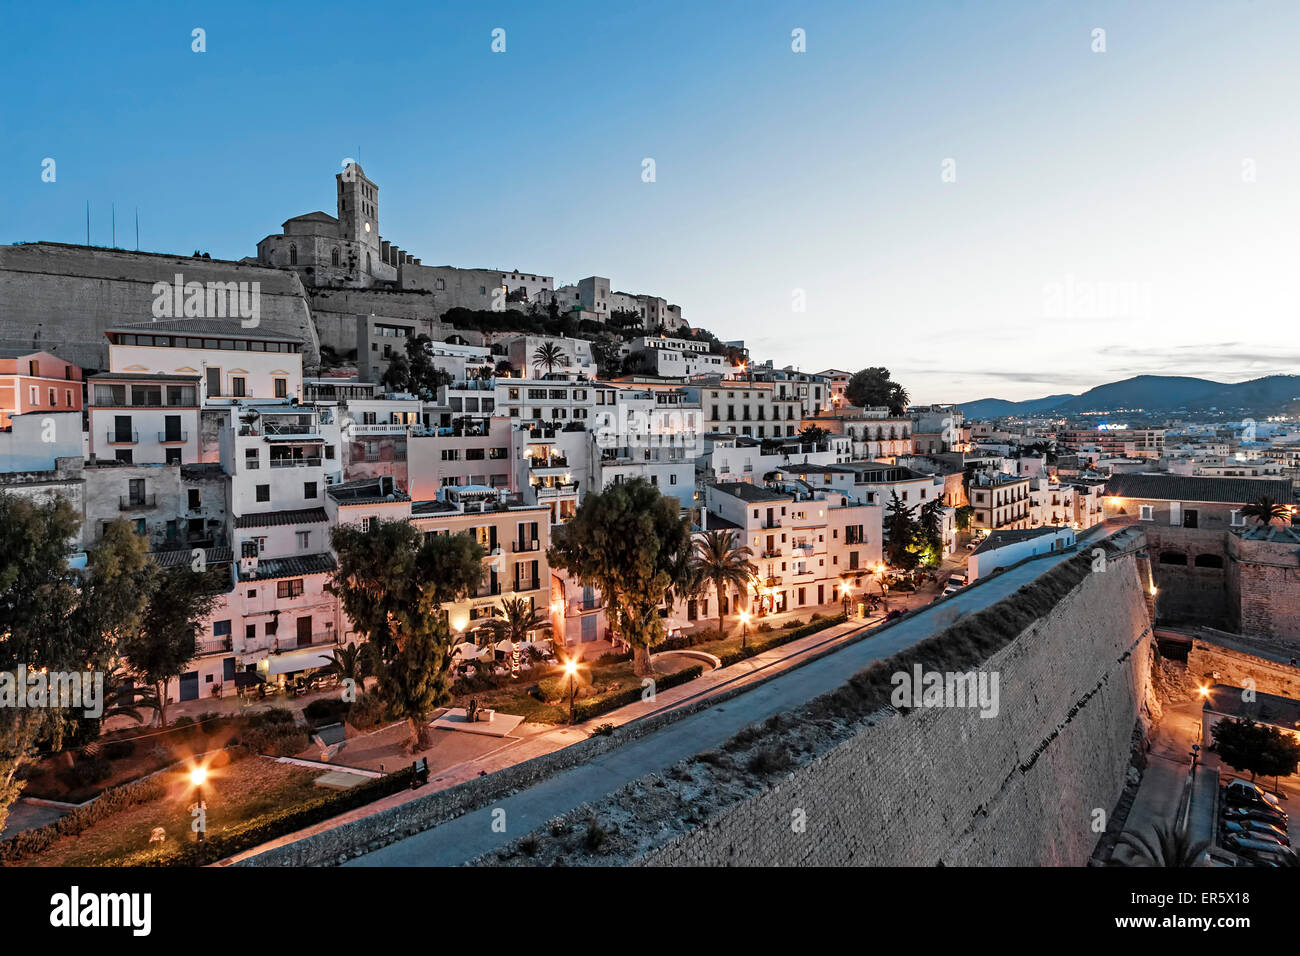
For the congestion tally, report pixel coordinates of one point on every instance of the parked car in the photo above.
(1245, 793)
(1261, 812)
(1258, 851)
(951, 589)
(1256, 830)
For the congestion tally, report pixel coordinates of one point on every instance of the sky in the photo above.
(990, 199)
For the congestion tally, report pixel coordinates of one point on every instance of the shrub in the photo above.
(605, 660)
(366, 711)
(605, 729)
(29, 842)
(119, 749)
(326, 710)
(87, 771)
(555, 688)
(272, 715)
(764, 626)
(596, 836)
(279, 740)
(771, 760)
(603, 704)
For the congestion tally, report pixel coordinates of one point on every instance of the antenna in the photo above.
(87, 222)
(113, 207)
(137, 228)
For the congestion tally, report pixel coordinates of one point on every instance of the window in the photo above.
(304, 540)
(250, 631)
(237, 386)
(281, 388)
(263, 492)
(293, 254)
(1147, 513)
(289, 589)
(1237, 519)
(193, 499)
(309, 489)
(173, 455)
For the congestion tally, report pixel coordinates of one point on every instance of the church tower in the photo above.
(359, 211)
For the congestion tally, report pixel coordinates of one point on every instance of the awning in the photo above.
(305, 659)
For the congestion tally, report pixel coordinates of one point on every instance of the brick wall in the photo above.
(1265, 590)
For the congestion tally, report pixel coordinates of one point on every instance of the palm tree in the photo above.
(716, 561)
(518, 618)
(1267, 510)
(550, 355)
(350, 662)
(1171, 847)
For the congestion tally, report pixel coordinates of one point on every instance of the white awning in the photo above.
(302, 660)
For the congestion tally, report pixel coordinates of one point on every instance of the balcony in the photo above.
(295, 462)
(488, 590)
(173, 437)
(555, 461)
(521, 547)
(378, 428)
(123, 438)
(137, 502)
(216, 645)
(772, 553)
(556, 491)
(318, 639)
(286, 428)
(522, 586)
(583, 605)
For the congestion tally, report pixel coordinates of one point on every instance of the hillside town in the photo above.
(422, 512)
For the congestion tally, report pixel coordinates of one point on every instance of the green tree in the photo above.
(517, 620)
(161, 649)
(415, 372)
(813, 435)
(549, 355)
(392, 582)
(901, 532)
(717, 560)
(931, 524)
(632, 543)
(56, 618)
(605, 350)
(1255, 748)
(873, 388)
(962, 516)
(1266, 510)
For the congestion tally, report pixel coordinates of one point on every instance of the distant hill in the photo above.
(1155, 393)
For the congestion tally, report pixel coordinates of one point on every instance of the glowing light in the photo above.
(570, 667)
(198, 776)
(1203, 691)
(744, 618)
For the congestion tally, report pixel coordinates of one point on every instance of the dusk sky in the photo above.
(1113, 213)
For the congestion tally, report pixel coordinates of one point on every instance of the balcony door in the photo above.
(304, 631)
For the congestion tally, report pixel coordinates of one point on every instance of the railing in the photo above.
(173, 436)
(555, 461)
(524, 546)
(218, 645)
(521, 586)
(582, 605)
(295, 462)
(379, 428)
(556, 491)
(488, 590)
(275, 428)
(123, 438)
(772, 553)
(290, 643)
(136, 502)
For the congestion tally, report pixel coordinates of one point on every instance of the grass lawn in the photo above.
(513, 696)
(234, 794)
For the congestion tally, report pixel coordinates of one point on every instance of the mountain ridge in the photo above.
(1153, 393)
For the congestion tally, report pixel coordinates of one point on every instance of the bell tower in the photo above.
(358, 209)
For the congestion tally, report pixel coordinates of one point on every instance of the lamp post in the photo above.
(199, 776)
(571, 668)
(744, 628)
(845, 591)
(884, 589)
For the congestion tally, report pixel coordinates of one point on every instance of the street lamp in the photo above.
(571, 668)
(845, 591)
(198, 777)
(744, 627)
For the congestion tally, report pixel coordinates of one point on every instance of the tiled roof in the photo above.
(227, 328)
(297, 566)
(183, 556)
(272, 519)
(202, 470)
(142, 377)
(365, 491)
(433, 508)
(1167, 487)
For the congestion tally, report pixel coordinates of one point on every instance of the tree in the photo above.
(518, 619)
(632, 543)
(349, 662)
(549, 355)
(716, 559)
(901, 532)
(813, 435)
(1266, 510)
(167, 640)
(56, 618)
(873, 388)
(1255, 748)
(605, 350)
(1171, 847)
(961, 518)
(415, 372)
(392, 582)
(931, 524)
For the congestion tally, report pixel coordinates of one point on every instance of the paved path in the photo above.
(464, 838)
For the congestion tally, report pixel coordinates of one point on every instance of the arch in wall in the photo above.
(334, 256)
(1208, 561)
(293, 254)
(1173, 557)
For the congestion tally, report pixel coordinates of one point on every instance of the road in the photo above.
(471, 835)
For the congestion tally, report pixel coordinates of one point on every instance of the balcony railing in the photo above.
(583, 605)
(521, 586)
(137, 502)
(556, 491)
(216, 645)
(295, 462)
(173, 436)
(488, 590)
(379, 428)
(123, 438)
(284, 645)
(523, 546)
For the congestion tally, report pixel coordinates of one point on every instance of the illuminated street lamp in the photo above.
(845, 591)
(744, 627)
(571, 668)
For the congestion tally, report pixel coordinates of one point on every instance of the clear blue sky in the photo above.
(1099, 225)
